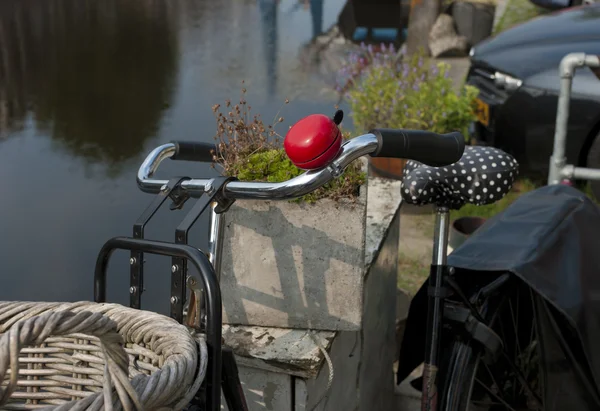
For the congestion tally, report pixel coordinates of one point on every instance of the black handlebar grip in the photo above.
(193, 151)
(429, 148)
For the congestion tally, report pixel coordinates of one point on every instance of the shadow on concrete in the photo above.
(289, 241)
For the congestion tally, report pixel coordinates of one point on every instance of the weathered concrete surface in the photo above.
(294, 265)
(376, 385)
(362, 360)
(383, 200)
(346, 358)
(278, 349)
(265, 390)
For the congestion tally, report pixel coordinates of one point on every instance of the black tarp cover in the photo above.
(550, 238)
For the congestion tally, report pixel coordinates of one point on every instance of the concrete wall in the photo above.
(362, 360)
(294, 265)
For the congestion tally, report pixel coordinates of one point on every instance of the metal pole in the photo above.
(558, 159)
(436, 297)
(567, 68)
(440, 240)
(215, 239)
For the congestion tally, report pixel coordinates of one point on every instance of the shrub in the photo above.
(251, 151)
(385, 88)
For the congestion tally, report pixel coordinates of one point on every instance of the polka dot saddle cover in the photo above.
(482, 176)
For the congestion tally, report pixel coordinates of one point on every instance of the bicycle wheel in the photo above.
(514, 381)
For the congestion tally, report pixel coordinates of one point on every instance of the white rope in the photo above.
(329, 364)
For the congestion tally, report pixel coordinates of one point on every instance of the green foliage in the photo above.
(389, 89)
(274, 166)
(251, 151)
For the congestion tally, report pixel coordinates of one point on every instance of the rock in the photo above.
(443, 40)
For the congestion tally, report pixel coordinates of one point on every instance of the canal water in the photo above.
(88, 88)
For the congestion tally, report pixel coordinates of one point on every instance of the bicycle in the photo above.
(458, 311)
(216, 195)
(522, 259)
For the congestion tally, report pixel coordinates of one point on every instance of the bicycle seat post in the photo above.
(437, 294)
(440, 240)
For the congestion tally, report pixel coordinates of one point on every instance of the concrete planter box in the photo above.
(295, 265)
(283, 369)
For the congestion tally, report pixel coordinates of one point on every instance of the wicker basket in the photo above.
(89, 356)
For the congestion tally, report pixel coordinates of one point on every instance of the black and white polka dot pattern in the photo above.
(482, 176)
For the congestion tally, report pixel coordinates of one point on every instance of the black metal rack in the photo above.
(221, 369)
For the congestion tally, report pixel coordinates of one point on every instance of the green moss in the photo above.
(274, 166)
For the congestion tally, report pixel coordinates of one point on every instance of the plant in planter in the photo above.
(294, 273)
(295, 264)
(386, 88)
(251, 151)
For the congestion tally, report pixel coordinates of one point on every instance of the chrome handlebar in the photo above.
(293, 188)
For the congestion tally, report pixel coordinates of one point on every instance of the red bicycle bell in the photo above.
(314, 141)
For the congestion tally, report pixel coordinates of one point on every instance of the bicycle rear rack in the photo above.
(559, 169)
(220, 361)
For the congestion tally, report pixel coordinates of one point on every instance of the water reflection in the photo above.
(88, 86)
(316, 12)
(268, 13)
(97, 75)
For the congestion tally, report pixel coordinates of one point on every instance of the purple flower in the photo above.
(416, 87)
(422, 78)
(435, 70)
(420, 62)
(419, 113)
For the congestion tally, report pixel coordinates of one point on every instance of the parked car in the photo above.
(517, 75)
(561, 4)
